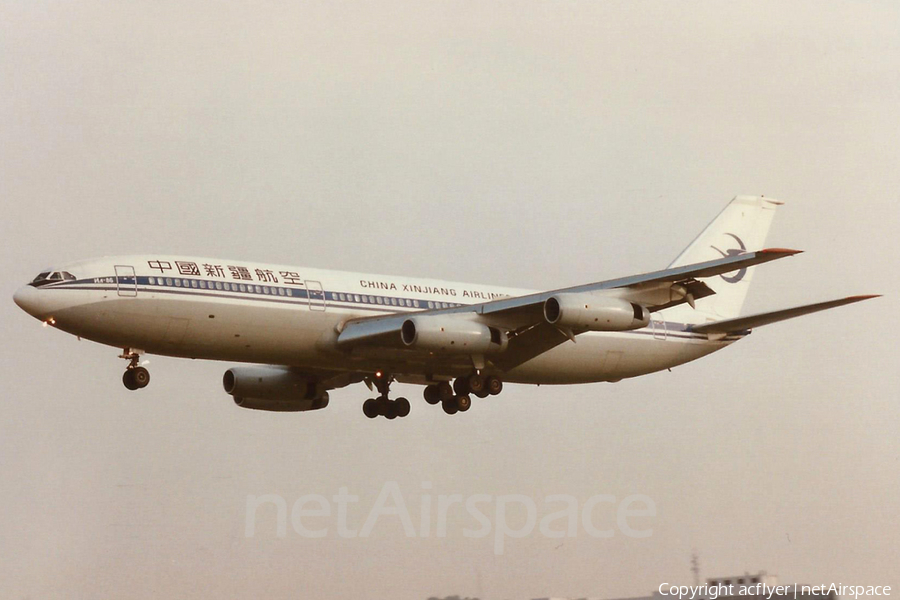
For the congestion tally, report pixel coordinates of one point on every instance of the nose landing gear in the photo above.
(135, 377)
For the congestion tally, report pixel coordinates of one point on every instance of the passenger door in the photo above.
(126, 281)
(659, 327)
(315, 294)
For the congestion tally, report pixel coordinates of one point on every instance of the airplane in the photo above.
(308, 331)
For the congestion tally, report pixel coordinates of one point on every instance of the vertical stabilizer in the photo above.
(741, 227)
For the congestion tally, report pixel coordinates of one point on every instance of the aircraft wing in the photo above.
(634, 286)
(723, 328)
(523, 320)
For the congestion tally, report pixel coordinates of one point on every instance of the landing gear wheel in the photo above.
(432, 395)
(402, 406)
(450, 406)
(129, 380)
(445, 392)
(390, 410)
(371, 408)
(476, 384)
(463, 403)
(461, 386)
(141, 377)
(483, 393)
(493, 385)
(135, 377)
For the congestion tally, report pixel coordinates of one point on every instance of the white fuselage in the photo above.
(282, 315)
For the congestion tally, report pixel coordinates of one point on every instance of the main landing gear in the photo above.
(383, 405)
(458, 397)
(135, 377)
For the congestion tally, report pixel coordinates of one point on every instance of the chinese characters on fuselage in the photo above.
(235, 272)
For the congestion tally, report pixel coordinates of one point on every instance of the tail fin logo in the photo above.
(733, 252)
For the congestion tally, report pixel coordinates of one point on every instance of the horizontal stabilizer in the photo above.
(749, 322)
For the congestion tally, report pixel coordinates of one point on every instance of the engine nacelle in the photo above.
(452, 336)
(274, 389)
(595, 313)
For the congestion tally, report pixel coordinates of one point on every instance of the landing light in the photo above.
(378, 374)
(50, 321)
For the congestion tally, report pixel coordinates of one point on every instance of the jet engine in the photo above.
(451, 336)
(274, 389)
(595, 313)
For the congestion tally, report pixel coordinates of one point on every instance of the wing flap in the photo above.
(727, 326)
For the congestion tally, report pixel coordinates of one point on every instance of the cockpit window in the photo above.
(52, 277)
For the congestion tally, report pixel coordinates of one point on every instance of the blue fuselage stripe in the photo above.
(301, 296)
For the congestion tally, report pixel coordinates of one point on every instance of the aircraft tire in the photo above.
(476, 383)
(402, 406)
(141, 377)
(450, 406)
(445, 391)
(463, 403)
(390, 410)
(432, 396)
(371, 408)
(129, 381)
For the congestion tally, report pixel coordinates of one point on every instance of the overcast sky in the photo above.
(525, 144)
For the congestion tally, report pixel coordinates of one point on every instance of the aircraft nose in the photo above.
(27, 299)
